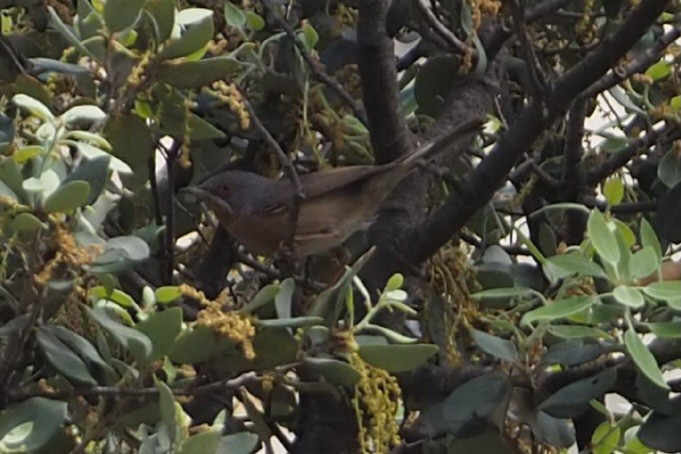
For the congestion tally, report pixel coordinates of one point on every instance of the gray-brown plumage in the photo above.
(337, 202)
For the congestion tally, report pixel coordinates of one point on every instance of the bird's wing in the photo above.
(324, 181)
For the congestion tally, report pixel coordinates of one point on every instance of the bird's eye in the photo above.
(224, 189)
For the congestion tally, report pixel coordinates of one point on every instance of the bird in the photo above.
(335, 203)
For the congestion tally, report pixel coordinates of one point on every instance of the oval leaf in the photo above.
(560, 309)
(397, 358)
(68, 197)
(643, 358)
(602, 238)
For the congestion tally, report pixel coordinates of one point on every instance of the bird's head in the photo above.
(231, 192)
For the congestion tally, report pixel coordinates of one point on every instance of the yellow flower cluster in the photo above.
(231, 325)
(230, 95)
(481, 8)
(67, 253)
(138, 71)
(376, 402)
(452, 278)
(585, 28)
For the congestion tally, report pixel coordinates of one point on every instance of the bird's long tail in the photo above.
(432, 148)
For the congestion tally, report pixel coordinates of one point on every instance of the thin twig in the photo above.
(290, 173)
(446, 34)
(637, 65)
(314, 67)
(96, 391)
(171, 154)
(536, 79)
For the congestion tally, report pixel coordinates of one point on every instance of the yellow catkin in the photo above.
(452, 278)
(231, 96)
(67, 251)
(231, 325)
(376, 402)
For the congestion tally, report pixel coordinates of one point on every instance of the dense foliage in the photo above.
(520, 297)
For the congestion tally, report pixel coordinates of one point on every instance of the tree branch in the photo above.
(638, 64)
(318, 73)
(390, 136)
(621, 158)
(533, 120)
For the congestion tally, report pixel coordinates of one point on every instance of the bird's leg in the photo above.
(286, 256)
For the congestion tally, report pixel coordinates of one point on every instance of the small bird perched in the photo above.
(336, 203)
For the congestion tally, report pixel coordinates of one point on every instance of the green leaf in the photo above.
(508, 292)
(659, 70)
(46, 184)
(163, 12)
(495, 346)
(91, 152)
(309, 36)
(95, 172)
(614, 144)
(669, 330)
(68, 35)
(25, 154)
(669, 168)
(234, 16)
(644, 263)
(395, 282)
(663, 290)
(335, 371)
(33, 106)
(195, 74)
(167, 294)
(120, 253)
(331, 302)
(571, 400)
(11, 176)
(602, 238)
(560, 309)
(238, 443)
(474, 400)
(264, 296)
(162, 328)
(643, 358)
(291, 322)
(577, 332)
(198, 344)
(613, 190)
(254, 21)
(605, 438)
(117, 296)
(397, 358)
(168, 411)
(26, 223)
(68, 197)
(62, 358)
(87, 114)
(121, 14)
(207, 442)
(284, 299)
(29, 426)
(198, 30)
(576, 264)
(629, 296)
(649, 237)
(136, 342)
(79, 345)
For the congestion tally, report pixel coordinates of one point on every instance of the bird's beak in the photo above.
(215, 202)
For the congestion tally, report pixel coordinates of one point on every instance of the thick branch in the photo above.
(572, 174)
(390, 137)
(531, 123)
(621, 158)
(608, 53)
(639, 64)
